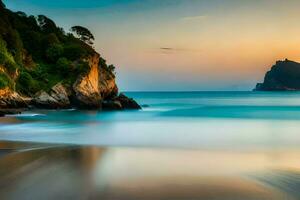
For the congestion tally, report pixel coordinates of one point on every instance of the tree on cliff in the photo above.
(2, 5)
(46, 24)
(84, 34)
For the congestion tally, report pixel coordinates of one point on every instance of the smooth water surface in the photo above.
(202, 120)
(182, 145)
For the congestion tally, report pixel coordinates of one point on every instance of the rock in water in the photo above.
(283, 76)
(112, 105)
(4, 112)
(121, 102)
(128, 103)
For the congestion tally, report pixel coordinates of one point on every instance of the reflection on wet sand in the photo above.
(138, 173)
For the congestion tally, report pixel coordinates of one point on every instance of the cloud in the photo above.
(194, 18)
(168, 50)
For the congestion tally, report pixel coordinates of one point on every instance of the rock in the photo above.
(57, 99)
(127, 103)
(120, 102)
(4, 112)
(283, 76)
(95, 89)
(86, 88)
(11, 99)
(107, 84)
(112, 105)
(60, 94)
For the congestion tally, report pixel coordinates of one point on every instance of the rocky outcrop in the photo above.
(94, 90)
(87, 82)
(4, 112)
(128, 103)
(57, 98)
(107, 84)
(283, 76)
(86, 87)
(121, 102)
(11, 99)
(112, 105)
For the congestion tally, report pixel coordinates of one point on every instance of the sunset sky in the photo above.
(183, 44)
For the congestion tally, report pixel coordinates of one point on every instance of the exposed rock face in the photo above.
(128, 103)
(86, 79)
(11, 99)
(86, 87)
(112, 105)
(107, 84)
(4, 112)
(95, 89)
(121, 102)
(57, 98)
(283, 76)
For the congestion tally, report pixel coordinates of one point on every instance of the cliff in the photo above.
(43, 66)
(86, 87)
(283, 76)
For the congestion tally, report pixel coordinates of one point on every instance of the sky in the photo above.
(182, 45)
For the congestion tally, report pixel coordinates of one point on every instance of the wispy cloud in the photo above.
(194, 18)
(168, 50)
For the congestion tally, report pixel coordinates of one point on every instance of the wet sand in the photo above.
(42, 171)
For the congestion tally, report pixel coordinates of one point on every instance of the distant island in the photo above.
(42, 66)
(283, 76)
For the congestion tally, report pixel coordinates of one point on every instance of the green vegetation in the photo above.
(26, 84)
(84, 34)
(109, 68)
(6, 59)
(5, 81)
(35, 53)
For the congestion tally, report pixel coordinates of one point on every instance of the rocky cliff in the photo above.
(283, 76)
(86, 87)
(43, 66)
(94, 89)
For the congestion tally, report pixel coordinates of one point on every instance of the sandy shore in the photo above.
(47, 171)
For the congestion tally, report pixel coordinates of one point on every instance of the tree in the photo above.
(54, 52)
(74, 52)
(5, 81)
(84, 34)
(2, 5)
(21, 14)
(63, 66)
(46, 24)
(26, 84)
(111, 68)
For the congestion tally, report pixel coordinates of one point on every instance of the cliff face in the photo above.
(107, 84)
(94, 89)
(88, 91)
(86, 88)
(11, 99)
(284, 75)
(43, 66)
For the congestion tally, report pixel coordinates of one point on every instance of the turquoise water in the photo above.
(202, 120)
(182, 145)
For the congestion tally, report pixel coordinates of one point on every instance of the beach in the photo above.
(43, 171)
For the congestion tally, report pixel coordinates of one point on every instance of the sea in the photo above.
(181, 145)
